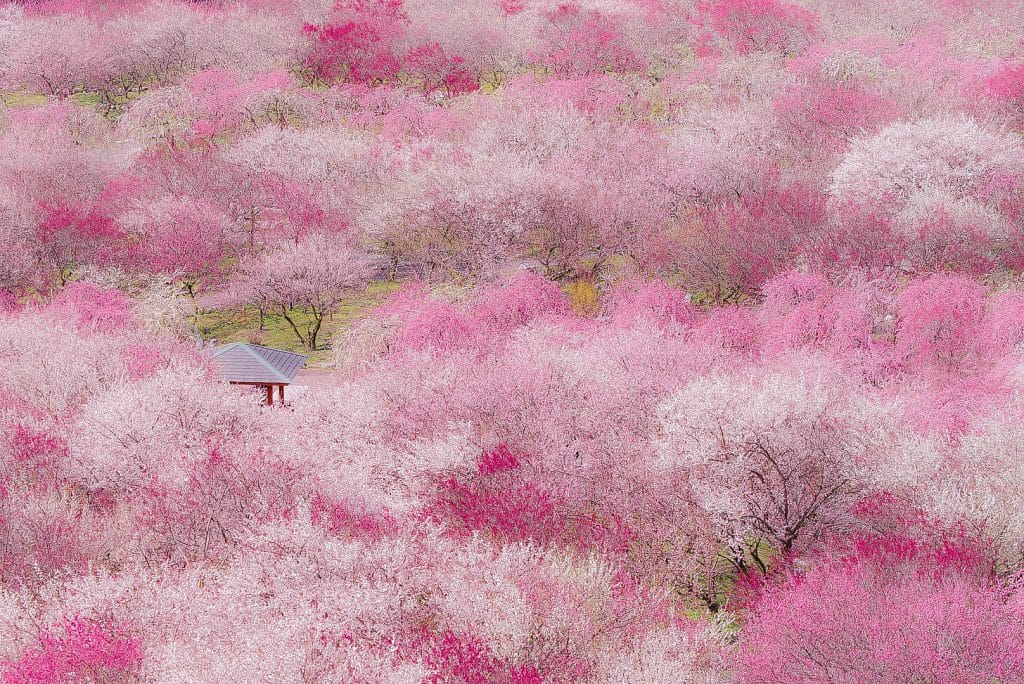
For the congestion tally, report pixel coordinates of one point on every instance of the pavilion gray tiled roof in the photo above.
(251, 363)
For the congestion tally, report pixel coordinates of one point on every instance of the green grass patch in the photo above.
(243, 325)
(111, 108)
(87, 99)
(25, 99)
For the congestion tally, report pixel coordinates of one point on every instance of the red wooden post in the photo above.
(270, 395)
(280, 394)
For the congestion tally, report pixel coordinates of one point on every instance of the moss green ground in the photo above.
(24, 99)
(242, 325)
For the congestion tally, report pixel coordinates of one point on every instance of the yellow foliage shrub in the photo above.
(584, 297)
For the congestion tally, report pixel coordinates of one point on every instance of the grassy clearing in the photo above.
(88, 98)
(242, 325)
(16, 100)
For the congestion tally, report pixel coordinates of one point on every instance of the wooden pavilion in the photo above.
(240, 363)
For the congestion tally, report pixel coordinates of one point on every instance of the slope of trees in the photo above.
(705, 366)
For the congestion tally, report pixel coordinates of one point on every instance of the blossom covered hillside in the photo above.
(649, 341)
